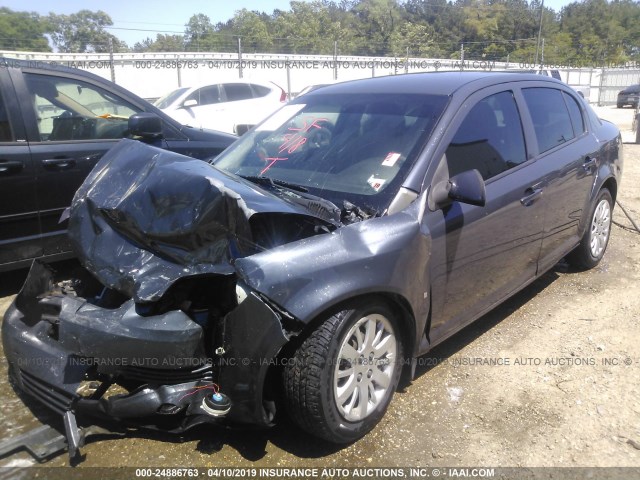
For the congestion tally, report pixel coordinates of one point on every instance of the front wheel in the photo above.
(341, 379)
(596, 238)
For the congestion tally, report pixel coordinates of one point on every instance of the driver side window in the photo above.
(490, 138)
(69, 109)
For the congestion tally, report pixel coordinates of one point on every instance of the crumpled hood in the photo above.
(146, 217)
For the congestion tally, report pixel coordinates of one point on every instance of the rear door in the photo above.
(241, 107)
(19, 221)
(70, 123)
(207, 110)
(569, 156)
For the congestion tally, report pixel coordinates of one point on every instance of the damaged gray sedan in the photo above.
(317, 258)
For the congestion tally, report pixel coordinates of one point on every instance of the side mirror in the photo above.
(145, 125)
(192, 102)
(465, 187)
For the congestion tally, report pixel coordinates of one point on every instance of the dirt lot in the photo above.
(563, 390)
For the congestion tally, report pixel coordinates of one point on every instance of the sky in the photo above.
(132, 17)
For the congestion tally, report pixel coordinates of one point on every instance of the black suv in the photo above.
(628, 96)
(55, 124)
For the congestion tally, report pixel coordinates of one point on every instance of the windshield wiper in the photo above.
(261, 180)
(298, 194)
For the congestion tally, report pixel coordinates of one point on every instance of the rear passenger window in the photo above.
(259, 90)
(551, 119)
(575, 113)
(490, 138)
(595, 121)
(5, 126)
(237, 91)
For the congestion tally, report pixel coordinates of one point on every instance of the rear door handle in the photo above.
(588, 164)
(60, 163)
(6, 166)
(532, 195)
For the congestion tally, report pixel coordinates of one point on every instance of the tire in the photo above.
(596, 237)
(619, 105)
(323, 384)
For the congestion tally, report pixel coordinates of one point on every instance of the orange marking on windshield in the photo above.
(271, 161)
(293, 142)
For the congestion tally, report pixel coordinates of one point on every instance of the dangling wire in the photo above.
(213, 387)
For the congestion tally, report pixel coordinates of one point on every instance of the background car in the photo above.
(583, 90)
(316, 258)
(628, 96)
(55, 124)
(231, 107)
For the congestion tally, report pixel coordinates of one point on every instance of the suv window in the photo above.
(259, 90)
(206, 95)
(490, 138)
(237, 91)
(551, 119)
(5, 126)
(69, 109)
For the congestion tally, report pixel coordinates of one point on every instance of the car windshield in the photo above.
(342, 147)
(169, 98)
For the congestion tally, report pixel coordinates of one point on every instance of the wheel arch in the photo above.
(395, 301)
(611, 185)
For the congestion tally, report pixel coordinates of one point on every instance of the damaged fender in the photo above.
(309, 277)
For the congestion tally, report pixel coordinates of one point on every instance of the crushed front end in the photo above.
(157, 330)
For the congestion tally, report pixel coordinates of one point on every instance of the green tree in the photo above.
(602, 31)
(378, 20)
(201, 35)
(252, 27)
(162, 43)
(414, 38)
(22, 31)
(314, 27)
(444, 18)
(82, 32)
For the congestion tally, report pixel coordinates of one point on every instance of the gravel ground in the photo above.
(563, 391)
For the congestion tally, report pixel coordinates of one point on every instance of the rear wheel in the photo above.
(340, 381)
(596, 238)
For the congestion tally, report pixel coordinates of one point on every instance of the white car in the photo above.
(231, 107)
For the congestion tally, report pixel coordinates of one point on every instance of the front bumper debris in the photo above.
(112, 364)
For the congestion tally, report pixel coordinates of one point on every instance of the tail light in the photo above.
(283, 96)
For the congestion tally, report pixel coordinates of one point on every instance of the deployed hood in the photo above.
(146, 217)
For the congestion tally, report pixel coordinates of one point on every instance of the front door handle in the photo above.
(59, 163)
(532, 195)
(6, 166)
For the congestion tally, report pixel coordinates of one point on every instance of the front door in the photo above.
(19, 222)
(70, 124)
(493, 250)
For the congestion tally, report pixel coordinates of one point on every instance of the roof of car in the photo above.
(265, 83)
(437, 83)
